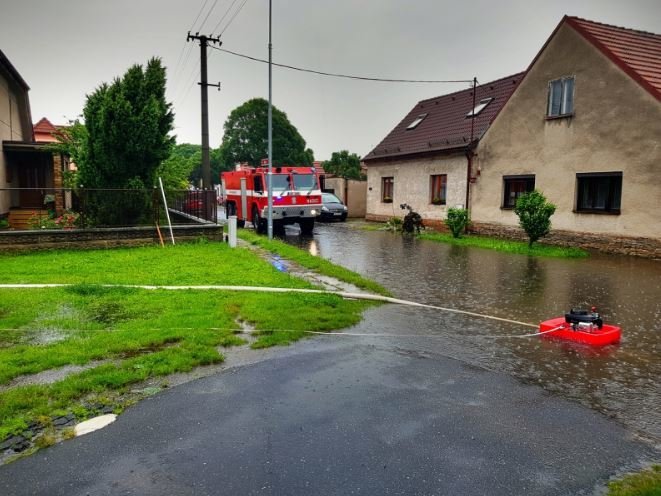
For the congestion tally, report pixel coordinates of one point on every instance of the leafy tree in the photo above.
(457, 221)
(128, 123)
(344, 164)
(216, 163)
(534, 215)
(245, 137)
(72, 141)
(175, 170)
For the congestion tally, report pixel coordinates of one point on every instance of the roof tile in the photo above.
(638, 53)
(446, 125)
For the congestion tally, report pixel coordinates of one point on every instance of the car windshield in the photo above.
(330, 198)
(305, 182)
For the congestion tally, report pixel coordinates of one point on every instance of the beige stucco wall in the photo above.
(412, 185)
(616, 127)
(353, 194)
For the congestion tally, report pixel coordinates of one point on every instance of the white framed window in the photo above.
(479, 107)
(561, 97)
(416, 122)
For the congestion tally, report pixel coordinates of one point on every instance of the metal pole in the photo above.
(270, 138)
(167, 212)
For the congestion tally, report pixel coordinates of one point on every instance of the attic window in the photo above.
(417, 121)
(479, 107)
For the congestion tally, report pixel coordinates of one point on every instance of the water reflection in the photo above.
(620, 381)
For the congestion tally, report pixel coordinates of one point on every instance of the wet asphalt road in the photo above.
(340, 416)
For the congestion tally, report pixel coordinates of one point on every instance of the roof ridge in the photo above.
(614, 43)
(471, 88)
(638, 31)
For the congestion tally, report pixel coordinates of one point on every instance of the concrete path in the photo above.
(340, 416)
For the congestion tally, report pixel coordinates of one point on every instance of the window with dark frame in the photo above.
(515, 186)
(599, 192)
(561, 97)
(438, 189)
(387, 184)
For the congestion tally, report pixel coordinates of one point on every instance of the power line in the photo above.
(208, 14)
(199, 14)
(346, 76)
(184, 58)
(234, 16)
(178, 89)
(224, 16)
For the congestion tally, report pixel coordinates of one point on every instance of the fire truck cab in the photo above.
(296, 196)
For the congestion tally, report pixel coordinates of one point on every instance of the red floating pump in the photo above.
(581, 326)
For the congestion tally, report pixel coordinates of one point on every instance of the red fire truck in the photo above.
(296, 196)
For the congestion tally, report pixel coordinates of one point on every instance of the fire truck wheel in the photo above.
(307, 226)
(257, 222)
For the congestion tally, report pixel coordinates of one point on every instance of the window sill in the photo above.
(504, 207)
(597, 212)
(556, 117)
(386, 201)
(438, 204)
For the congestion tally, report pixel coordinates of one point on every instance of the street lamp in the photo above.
(270, 139)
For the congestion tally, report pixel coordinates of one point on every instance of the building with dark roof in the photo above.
(425, 160)
(583, 127)
(582, 124)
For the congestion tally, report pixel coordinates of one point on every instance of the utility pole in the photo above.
(204, 41)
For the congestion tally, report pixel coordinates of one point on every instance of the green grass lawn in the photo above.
(507, 246)
(139, 334)
(312, 262)
(645, 483)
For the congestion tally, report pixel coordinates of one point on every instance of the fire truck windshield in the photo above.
(304, 182)
(280, 182)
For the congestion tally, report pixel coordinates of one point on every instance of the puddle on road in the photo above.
(620, 381)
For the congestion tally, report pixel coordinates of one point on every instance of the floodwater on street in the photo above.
(621, 381)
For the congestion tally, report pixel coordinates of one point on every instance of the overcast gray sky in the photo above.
(65, 49)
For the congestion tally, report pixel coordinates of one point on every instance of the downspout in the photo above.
(469, 170)
(469, 149)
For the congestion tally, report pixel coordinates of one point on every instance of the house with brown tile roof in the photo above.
(584, 127)
(45, 131)
(426, 160)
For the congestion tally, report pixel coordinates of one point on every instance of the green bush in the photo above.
(457, 221)
(534, 215)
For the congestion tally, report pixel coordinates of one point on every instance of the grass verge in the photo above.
(192, 263)
(507, 246)
(645, 483)
(110, 339)
(139, 335)
(312, 262)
